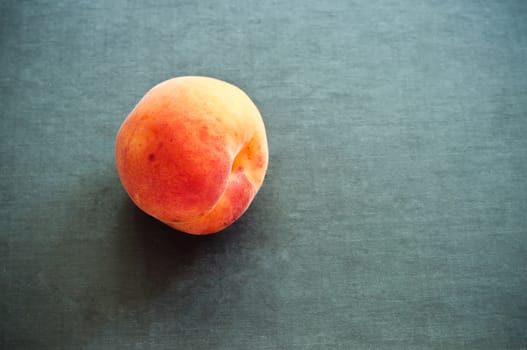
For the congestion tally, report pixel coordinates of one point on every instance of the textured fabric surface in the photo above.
(394, 211)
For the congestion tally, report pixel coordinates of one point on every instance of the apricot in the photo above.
(193, 153)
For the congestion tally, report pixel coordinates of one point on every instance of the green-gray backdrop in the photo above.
(393, 216)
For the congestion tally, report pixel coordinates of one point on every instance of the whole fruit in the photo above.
(193, 153)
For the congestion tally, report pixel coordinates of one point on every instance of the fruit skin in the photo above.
(193, 153)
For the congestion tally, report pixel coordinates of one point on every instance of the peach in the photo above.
(193, 153)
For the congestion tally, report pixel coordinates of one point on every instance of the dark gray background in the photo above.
(394, 211)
